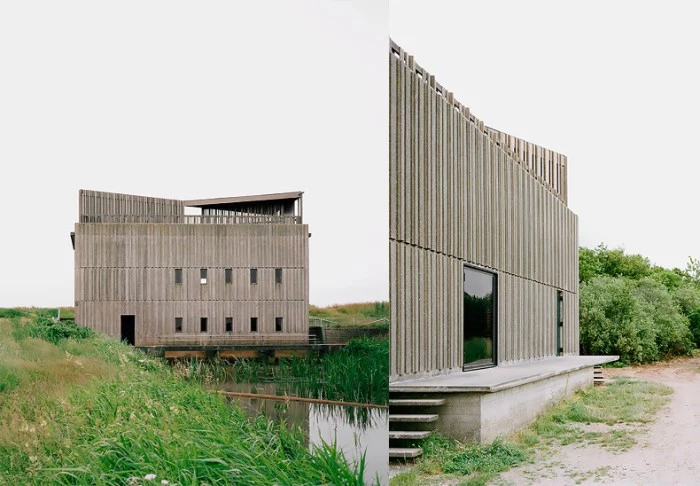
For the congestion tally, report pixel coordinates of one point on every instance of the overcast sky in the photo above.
(614, 85)
(210, 99)
(194, 100)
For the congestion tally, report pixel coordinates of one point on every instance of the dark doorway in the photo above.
(480, 319)
(129, 329)
(560, 323)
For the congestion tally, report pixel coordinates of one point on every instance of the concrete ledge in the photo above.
(500, 377)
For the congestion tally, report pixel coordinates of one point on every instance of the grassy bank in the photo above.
(89, 410)
(609, 416)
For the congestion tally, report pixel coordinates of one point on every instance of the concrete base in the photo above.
(484, 404)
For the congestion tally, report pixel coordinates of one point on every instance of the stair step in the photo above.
(413, 417)
(409, 434)
(404, 452)
(417, 402)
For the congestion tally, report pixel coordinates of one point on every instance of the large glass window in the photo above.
(479, 318)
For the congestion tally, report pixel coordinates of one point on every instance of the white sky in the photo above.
(614, 85)
(208, 99)
(193, 100)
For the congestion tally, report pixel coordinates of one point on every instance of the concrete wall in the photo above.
(481, 417)
(462, 193)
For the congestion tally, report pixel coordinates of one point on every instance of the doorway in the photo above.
(480, 320)
(129, 329)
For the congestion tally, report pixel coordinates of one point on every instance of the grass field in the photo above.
(375, 314)
(86, 409)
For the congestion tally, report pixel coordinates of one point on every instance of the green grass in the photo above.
(356, 373)
(95, 411)
(354, 315)
(620, 409)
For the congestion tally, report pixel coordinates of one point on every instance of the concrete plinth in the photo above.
(484, 404)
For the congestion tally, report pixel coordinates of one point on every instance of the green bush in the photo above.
(12, 313)
(635, 319)
(55, 331)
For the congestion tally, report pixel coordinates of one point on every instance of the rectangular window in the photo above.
(228, 275)
(253, 324)
(203, 324)
(480, 321)
(278, 324)
(560, 322)
(178, 324)
(278, 275)
(229, 324)
(253, 275)
(203, 276)
(178, 275)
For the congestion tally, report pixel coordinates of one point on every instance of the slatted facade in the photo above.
(461, 194)
(130, 269)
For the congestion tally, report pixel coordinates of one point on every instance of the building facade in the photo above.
(483, 248)
(151, 274)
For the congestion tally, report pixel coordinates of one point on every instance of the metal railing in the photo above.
(191, 219)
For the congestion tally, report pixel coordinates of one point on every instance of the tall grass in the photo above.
(95, 411)
(356, 373)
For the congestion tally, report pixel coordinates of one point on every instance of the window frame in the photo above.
(278, 276)
(228, 276)
(203, 324)
(228, 324)
(178, 276)
(253, 276)
(279, 324)
(253, 324)
(203, 276)
(179, 324)
(494, 337)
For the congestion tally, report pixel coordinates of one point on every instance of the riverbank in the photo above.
(87, 409)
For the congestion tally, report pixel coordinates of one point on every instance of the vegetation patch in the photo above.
(610, 416)
(373, 314)
(639, 311)
(96, 411)
(356, 373)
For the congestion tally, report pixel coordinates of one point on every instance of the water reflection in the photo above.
(354, 430)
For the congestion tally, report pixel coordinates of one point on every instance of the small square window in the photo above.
(278, 275)
(203, 276)
(253, 324)
(253, 275)
(229, 324)
(178, 324)
(228, 275)
(178, 275)
(278, 324)
(203, 324)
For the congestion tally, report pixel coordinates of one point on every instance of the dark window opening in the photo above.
(480, 320)
(560, 323)
(278, 275)
(228, 275)
(178, 275)
(253, 275)
(253, 324)
(203, 324)
(128, 329)
(229, 324)
(278, 324)
(178, 324)
(203, 276)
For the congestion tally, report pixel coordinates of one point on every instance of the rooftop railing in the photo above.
(191, 219)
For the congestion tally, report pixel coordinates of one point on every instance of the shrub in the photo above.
(637, 320)
(55, 331)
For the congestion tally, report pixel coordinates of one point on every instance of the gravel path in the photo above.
(667, 451)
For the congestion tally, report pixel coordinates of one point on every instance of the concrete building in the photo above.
(149, 273)
(483, 269)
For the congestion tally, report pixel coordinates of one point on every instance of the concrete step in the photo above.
(409, 434)
(413, 417)
(404, 452)
(416, 402)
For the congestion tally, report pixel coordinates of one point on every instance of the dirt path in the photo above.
(667, 452)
